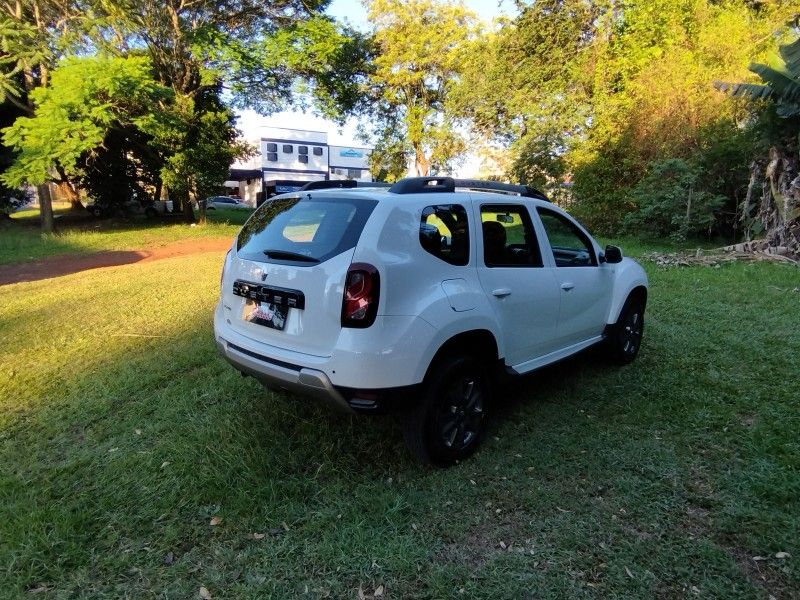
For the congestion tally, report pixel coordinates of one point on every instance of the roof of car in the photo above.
(415, 187)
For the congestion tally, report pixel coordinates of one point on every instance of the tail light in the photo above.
(224, 266)
(361, 293)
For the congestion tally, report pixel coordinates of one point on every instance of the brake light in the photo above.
(361, 294)
(224, 266)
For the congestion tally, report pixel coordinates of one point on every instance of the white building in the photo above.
(289, 157)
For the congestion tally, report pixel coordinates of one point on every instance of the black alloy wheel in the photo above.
(448, 423)
(460, 416)
(626, 336)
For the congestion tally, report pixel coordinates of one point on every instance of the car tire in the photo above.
(625, 338)
(96, 211)
(447, 425)
(150, 212)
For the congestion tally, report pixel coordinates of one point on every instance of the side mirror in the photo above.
(612, 254)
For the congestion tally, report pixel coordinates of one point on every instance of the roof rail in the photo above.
(373, 184)
(421, 185)
(498, 186)
(326, 184)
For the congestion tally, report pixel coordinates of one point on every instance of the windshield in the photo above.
(303, 230)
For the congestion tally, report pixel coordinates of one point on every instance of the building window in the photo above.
(302, 150)
(303, 158)
(317, 151)
(288, 148)
(272, 156)
(354, 173)
(272, 147)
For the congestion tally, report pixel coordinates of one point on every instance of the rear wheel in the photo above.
(626, 335)
(448, 424)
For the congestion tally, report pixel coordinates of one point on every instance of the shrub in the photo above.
(669, 203)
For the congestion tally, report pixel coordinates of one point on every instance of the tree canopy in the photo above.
(159, 71)
(420, 51)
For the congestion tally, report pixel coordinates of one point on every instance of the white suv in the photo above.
(418, 297)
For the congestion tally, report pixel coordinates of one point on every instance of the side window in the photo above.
(570, 246)
(444, 232)
(508, 237)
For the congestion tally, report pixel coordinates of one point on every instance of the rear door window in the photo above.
(444, 232)
(303, 231)
(508, 237)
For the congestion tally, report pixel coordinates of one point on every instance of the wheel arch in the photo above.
(477, 343)
(631, 280)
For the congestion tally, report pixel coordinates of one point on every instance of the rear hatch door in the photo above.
(286, 279)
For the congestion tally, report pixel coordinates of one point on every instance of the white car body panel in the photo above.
(424, 301)
(627, 276)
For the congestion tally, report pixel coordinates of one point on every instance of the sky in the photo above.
(354, 13)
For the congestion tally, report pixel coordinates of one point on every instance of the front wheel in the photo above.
(626, 334)
(449, 422)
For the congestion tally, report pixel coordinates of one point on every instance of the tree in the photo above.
(266, 54)
(32, 34)
(598, 93)
(771, 209)
(419, 56)
(85, 99)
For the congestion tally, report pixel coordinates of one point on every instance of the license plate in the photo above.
(268, 315)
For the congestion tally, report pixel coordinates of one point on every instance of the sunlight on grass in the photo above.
(21, 243)
(122, 433)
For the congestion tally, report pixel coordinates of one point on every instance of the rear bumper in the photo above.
(279, 375)
(350, 381)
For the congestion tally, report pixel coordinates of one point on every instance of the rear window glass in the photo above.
(303, 230)
(443, 232)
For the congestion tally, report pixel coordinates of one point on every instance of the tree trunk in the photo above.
(776, 214)
(45, 207)
(421, 162)
(71, 194)
(177, 201)
(67, 190)
(201, 213)
(188, 211)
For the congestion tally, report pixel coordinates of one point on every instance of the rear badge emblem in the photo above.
(263, 277)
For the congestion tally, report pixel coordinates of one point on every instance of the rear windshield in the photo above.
(303, 230)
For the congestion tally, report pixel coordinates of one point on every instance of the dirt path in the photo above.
(65, 264)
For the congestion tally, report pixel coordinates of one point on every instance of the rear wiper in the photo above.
(286, 255)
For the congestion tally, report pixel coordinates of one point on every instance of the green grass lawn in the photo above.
(122, 434)
(21, 239)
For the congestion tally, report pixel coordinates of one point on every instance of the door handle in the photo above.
(567, 286)
(501, 292)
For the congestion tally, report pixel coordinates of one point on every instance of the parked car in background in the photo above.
(134, 206)
(418, 298)
(215, 202)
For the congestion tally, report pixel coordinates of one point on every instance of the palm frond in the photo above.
(750, 91)
(784, 86)
(787, 110)
(790, 53)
